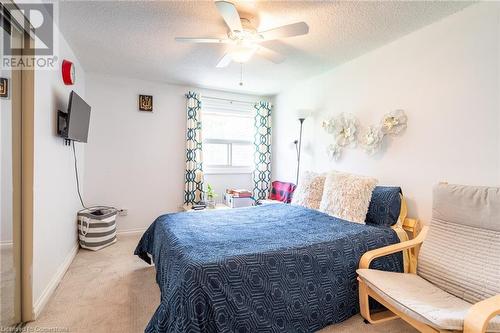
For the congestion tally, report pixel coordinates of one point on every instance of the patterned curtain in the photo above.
(262, 158)
(193, 189)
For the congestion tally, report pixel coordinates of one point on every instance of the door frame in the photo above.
(27, 183)
(17, 37)
(23, 172)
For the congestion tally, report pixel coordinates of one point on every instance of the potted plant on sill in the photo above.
(211, 195)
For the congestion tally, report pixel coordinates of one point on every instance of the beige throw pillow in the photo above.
(309, 191)
(347, 196)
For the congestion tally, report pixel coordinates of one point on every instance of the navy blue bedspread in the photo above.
(271, 268)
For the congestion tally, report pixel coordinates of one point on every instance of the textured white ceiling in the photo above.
(136, 39)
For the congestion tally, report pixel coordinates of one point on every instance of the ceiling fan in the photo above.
(244, 40)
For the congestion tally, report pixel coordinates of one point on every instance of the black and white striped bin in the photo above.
(97, 227)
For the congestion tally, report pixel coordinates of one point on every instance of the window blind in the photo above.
(221, 105)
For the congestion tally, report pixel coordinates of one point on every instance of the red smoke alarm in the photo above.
(68, 72)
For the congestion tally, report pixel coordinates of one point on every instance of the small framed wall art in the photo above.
(4, 87)
(146, 103)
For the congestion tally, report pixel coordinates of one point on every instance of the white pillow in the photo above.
(309, 191)
(347, 196)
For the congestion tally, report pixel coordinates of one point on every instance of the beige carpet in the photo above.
(113, 291)
(7, 286)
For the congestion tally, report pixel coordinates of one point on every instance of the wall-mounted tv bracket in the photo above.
(62, 126)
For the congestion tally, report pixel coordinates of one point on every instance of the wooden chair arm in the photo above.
(369, 256)
(411, 225)
(479, 315)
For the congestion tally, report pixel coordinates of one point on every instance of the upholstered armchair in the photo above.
(455, 286)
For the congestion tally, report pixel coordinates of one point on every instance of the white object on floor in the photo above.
(235, 202)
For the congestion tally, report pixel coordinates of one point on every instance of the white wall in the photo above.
(445, 76)
(136, 160)
(55, 199)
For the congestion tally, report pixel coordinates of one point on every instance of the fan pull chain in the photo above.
(241, 73)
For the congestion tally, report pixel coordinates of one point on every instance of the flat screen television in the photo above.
(74, 124)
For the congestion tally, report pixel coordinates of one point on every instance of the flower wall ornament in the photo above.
(394, 122)
(334, 151)
(328, 125)
(371, 140)
(344, 129)
(346, 132)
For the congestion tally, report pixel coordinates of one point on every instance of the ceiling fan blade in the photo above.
(230, 15)
(225, 61)
(201, 40)
(290, 30)
(271, 55)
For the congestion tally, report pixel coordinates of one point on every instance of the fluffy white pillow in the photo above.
(309, 191)
(347, 196)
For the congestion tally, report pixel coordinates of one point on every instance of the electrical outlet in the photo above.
(123, 212)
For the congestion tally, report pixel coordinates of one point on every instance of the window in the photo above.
(228, 130)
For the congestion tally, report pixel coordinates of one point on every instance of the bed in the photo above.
(270, 268)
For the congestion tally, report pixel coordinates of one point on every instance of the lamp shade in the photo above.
(303, 113)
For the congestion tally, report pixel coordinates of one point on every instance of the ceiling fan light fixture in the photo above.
(242, 53)
(244, 39)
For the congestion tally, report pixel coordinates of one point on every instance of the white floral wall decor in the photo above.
(343, 128)
(371, 139)
(328, 125)
(334, 151)
(346, 132)
(394, 122)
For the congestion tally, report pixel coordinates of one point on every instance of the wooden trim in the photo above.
(403, 212)
(369, 256)
(364, 306)
(22, 135)
(16, 109)
(412, 227)
(27, 155)
(480, 314)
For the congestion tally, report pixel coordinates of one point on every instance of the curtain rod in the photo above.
(226, 99)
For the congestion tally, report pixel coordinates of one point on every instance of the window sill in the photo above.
(227, 171)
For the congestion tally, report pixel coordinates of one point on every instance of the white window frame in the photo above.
(229, 167)
(221, 106)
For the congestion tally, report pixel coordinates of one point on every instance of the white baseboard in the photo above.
(49, 290)
(127, 232)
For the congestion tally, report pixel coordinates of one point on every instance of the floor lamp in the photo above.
(298, 146)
